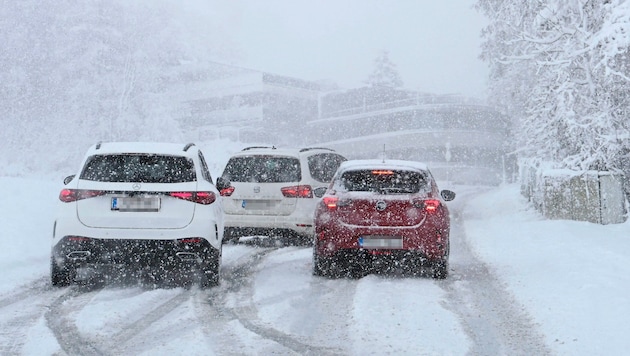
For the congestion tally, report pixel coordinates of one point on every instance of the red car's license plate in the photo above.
(381, 242)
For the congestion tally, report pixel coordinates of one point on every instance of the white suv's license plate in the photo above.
(381, 242)
(136, 204)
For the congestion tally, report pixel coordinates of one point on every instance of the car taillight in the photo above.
(431, 205)
(330, 202)
(226, 192)
(204, 198)
(298, 191)
(382, 172)
(70, 195)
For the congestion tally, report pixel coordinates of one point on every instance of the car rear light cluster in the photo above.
(330, 202)
(297, 191)
(70, 195)
(204, 198)
(428, 205)
(226, 192)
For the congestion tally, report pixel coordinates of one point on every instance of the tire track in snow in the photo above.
(119, 341)
(62, 323)
(238, 282)
(20, 310)
(63, 327)
(492, 318)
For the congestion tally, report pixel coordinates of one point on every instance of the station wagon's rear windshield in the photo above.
(263, 169)
(384, 181)
(145, 168)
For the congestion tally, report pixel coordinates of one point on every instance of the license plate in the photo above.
(381, 242)
(258, 204)
(136, 204)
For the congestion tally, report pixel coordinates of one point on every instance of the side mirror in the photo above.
(68, 179)
(447, 195)
(222, 183)
(319, 192)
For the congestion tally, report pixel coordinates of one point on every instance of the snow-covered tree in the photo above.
(76, 72)
(385, 73)
(561, 68)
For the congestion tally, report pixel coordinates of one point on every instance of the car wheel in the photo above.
(440, 269)
(60, 276)
(321, 266)
(212, 270)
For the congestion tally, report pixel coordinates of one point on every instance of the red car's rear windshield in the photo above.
(384, 181)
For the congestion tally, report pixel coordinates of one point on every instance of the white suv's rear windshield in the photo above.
(263, 169)
(145, 168)
(384, 181)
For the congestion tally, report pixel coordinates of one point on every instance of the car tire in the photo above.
(440, 269)
(60, 276)
(212, 271)
(321, 266)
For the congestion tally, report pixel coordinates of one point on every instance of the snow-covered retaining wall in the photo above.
(592, 196)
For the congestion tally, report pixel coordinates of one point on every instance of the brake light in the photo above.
(226, 192)
(204, 198)
(330, 202)
(381, 172)
(70, 195)
(298, 191)
(431, 205)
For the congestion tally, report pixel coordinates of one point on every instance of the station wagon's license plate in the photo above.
(378, 242)
(136, 204)
(258, 204)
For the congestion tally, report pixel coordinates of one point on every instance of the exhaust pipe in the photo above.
(188, 257)
(79, 255)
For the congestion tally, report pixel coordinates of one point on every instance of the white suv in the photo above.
(274, 191)
(138, 209)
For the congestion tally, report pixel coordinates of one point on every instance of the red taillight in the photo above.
(330, 202)
(204, 198)
(298, 191)
(431, 205)
(226, 192)
(70, 195)
(381, 172)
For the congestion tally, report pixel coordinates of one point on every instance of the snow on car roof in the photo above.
(294, 152)
(382, 164)
(138, 147)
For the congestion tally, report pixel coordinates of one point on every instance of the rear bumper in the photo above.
(207, 229)
(76, 252)
(265, 224)
(426, 242)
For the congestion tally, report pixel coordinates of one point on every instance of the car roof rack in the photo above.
(316, 148)
(188, 145)
(256, 147)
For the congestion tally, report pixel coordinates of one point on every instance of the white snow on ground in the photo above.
(572, 278)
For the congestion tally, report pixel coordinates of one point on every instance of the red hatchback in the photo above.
(378, 212)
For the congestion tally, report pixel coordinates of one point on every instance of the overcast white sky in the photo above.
(435, 44)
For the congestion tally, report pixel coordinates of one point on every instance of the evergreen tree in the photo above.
(385, 73)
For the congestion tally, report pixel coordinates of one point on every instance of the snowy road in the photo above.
(269, 303)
